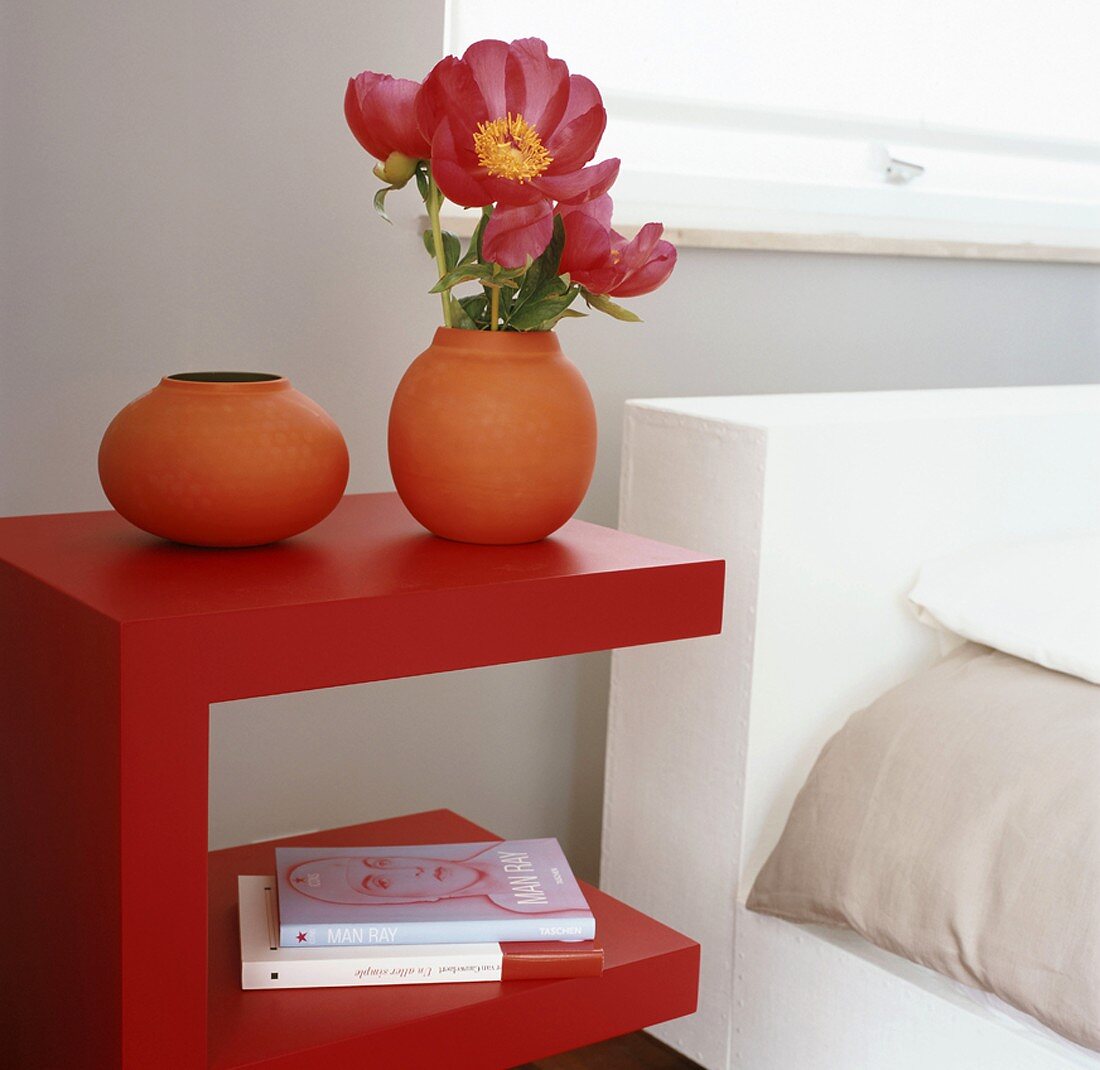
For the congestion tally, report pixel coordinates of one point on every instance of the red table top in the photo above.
(370, 547)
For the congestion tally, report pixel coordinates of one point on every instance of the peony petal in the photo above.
(574, 143)
(599, 208)
(583, 96)
(395, 98)
(651, 274)
(381, 112)
(486, 60)
(450, 91)
(587, 255)
(637, 252)
(603, 281)
(516, 233)
(507, 191)
(453, 174)
(370, 138)
(537, 87)
(587, 244)
(430, 103)
(584, 185)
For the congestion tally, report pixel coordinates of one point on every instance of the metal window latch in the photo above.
(896, 172)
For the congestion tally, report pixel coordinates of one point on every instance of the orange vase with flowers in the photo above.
(492, 431)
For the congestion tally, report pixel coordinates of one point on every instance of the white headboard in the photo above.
(824, 506)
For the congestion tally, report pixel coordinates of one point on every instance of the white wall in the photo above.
(178, 190)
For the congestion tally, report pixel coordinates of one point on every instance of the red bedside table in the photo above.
(113, 646)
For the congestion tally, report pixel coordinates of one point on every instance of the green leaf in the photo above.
(537, 312)
(477, 273)
(536, 290)
(500, 272)
(551, 256)
(541, 276)
(460, 318)
(451, 247)
(541, 279)
(475, 306)
(473, 253)
(422, 182)
(452, 250)
(453, 278)
(603, 303)
(380, 202)
(532, 282)
(479, 234)
(568, 313)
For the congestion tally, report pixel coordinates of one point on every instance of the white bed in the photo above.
(824, 506)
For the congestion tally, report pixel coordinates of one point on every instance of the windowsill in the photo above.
(874, 245)
(851, 242)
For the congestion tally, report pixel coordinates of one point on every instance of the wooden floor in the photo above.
(634, 1052)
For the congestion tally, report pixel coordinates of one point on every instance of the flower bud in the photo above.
(397, 170)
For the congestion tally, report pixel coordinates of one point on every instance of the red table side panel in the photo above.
(650, 975)
(59, 800)
(284, 649)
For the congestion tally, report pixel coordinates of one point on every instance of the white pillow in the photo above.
(1037, 599)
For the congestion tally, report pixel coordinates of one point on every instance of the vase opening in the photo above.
(224, 377)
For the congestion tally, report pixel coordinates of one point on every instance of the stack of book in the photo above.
(333, 916)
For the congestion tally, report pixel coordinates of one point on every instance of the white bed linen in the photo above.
(1037, 599)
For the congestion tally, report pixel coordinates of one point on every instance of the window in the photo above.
(955, 127)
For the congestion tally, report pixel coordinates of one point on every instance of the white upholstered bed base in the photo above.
(823, 506)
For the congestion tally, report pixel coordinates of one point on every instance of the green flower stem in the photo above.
(494, 307)
(434, 203)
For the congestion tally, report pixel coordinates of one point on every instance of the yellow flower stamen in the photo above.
(509, 147)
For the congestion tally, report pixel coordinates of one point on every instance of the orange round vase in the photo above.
(492, 436)
(223, 459)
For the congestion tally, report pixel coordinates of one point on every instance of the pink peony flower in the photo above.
(603, 261)
(511, 126)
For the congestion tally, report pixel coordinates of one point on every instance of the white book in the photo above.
(266, 965)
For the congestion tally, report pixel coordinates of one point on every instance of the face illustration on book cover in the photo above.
(514, 876)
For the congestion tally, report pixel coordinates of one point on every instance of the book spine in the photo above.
(492, 964)
(393, 969)
(547, 964)
(540, 928)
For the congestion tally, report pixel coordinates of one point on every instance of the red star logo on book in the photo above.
(302, 938)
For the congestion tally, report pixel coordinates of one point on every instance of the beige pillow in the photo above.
(956, 822)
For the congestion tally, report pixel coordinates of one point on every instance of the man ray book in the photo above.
(448, 893)
(266, 965)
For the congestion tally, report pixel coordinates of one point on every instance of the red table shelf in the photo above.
(113, 644)
(650, 975)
